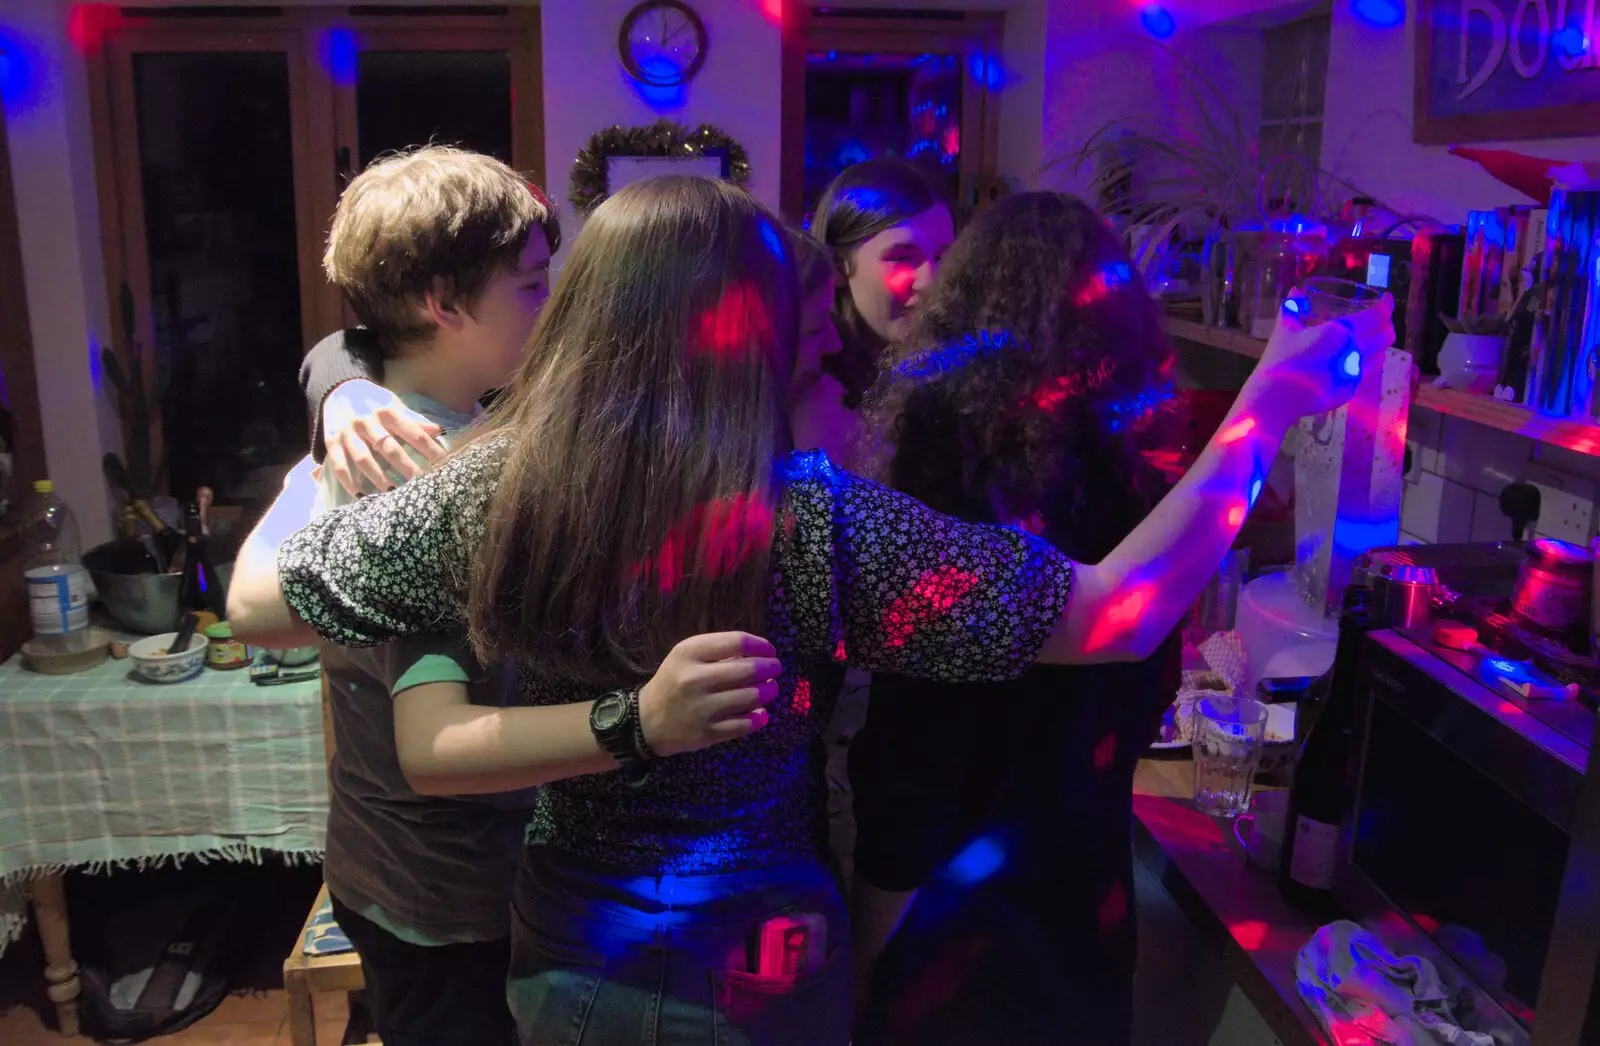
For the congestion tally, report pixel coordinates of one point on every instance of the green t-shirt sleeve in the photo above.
(430, 658)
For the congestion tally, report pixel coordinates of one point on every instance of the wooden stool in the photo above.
(306, 975)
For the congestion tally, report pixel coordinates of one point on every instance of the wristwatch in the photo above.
(614, 719)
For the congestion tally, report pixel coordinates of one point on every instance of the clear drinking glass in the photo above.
(1328, 298)
(1228, 738)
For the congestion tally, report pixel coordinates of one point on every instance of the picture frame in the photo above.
(625, 170)
(1493, 70)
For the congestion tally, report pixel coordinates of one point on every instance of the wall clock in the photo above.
(662, 43)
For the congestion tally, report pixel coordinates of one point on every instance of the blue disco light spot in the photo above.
(339, 55)
(978, 861)
(1380, 14)
(1350, 366)
(773, 239)
(24, 72)
(948, 358)
(1569, 42)
(1158, 22)
(985, 69)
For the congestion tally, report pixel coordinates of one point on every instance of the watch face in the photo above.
(663, 43)
(609, 711)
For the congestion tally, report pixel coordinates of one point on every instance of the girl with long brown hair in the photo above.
(636, 485)
(887, 230)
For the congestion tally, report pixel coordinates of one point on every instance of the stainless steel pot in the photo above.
(145, 603)
(1403, 595)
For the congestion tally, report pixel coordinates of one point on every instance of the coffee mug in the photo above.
(1263, 843)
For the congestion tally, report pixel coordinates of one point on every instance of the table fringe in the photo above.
(233, 853)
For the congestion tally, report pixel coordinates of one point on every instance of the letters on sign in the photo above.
(1489, 69)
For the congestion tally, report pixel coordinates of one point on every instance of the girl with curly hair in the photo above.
(1034, 376)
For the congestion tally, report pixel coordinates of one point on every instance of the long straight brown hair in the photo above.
(644, 427)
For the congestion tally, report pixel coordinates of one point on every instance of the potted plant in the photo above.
(1193, 174)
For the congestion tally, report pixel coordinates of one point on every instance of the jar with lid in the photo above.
(1290, 251)
(1552, 592)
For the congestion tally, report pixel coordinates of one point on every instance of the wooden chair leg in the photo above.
(49, 897)
(302, 1013)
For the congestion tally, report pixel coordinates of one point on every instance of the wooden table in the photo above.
(100, 770)
(1197, 860)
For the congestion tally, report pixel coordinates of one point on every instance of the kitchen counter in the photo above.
(1234, 906)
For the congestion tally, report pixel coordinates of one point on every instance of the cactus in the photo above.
(140, 477)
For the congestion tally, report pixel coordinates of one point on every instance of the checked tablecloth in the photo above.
(100, 770)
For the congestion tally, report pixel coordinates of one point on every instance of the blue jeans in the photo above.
(599, 959)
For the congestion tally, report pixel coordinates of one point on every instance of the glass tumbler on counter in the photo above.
(1228, 736)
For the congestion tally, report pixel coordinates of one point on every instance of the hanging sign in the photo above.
(1503, 69)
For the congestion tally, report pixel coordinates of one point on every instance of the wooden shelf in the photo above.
(1235, 341)
(1574, 434)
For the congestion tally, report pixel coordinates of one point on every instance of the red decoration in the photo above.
(1526, 174)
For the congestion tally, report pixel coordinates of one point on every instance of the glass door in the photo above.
(210, 161)
(917, 86)
(398, 85)
(222, 143)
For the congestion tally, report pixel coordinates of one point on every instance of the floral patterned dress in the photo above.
(861, 577)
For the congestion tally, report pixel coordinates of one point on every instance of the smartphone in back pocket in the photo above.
(789, 946)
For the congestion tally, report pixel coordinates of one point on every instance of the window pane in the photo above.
(408, 98)
(1295, 139)
(861, 106)
(1294, 69)
(217, 169)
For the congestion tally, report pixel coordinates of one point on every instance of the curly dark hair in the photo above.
(1036, 373)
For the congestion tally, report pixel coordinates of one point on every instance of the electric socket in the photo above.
(1566, 508)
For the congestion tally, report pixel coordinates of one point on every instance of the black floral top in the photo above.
(865, 578)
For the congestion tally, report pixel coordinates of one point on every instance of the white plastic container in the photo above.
(58, 587)
(1283, 638)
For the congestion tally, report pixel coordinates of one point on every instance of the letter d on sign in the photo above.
(1497, 45)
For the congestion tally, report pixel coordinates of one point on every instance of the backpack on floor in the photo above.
(162, 965)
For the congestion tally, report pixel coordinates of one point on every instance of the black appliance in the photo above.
(1474, 835)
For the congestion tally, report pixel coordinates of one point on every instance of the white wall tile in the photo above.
(1436, 510)
(1488, 522)
(1482, 458)
(1422, 432)
(1569, 461)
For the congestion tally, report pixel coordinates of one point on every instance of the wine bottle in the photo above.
(199, 590)
(1318, 797)
(168, 544)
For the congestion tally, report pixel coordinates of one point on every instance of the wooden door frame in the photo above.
(22, 388)
(970, 34)
(118, 179)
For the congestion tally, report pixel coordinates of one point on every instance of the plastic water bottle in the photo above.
(58, 586)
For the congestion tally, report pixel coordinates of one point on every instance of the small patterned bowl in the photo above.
(152, 662)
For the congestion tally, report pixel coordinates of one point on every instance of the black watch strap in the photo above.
(641, 747)
(623, 740)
